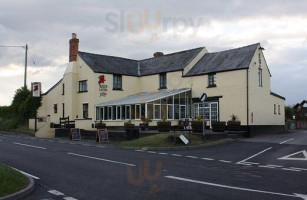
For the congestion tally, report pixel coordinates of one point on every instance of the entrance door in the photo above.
(214, 112)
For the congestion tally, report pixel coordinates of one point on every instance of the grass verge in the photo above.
(11, 181)
(161, 140)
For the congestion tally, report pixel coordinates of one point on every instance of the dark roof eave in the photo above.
(278, 96)
(200, 74)
(52, 87)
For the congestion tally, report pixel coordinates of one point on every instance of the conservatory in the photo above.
(169, 104)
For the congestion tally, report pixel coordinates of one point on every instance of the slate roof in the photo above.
(170, 62)
(228, 60)
(232, 59)
(110, 64)
(166, 63)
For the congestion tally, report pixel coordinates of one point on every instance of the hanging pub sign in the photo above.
(36, 89)
(103, 88)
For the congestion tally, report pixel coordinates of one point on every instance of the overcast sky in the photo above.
(136, 29)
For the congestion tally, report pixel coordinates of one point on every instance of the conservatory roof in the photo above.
(144, 97)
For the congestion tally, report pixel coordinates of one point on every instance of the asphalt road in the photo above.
(271, 167)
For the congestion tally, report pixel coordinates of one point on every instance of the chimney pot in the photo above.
(158, 54)
(73, 47)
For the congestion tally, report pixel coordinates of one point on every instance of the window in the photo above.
(55, 108)
(63, 89)
(163, 81)
(117, 82)
(85, 110)
(83, 86)
(278, 109)
(211, 80)
(274, 109)
(157, 111)
(260, 77)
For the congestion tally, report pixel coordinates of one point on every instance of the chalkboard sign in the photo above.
(102, 135)
(75, 134)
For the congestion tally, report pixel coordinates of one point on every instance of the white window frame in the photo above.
(120, 112)
(126, 115)
(139, 111)
(154, 111)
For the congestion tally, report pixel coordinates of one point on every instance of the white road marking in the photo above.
(247, 164)
(286, 141)
(207, 159)
(176, 155)
(163, 153)
(236, 188)
(297, 168)
(69, 198)
(290, 169)
(225, 161)
(275, 165)
(139, 150)
(252, 163)
(27, 145)
(55, 192)
(151, 152)
(266, 166)
(101, 159)
(242, 161)
(194, 157)
(27, 174)
(289, 157)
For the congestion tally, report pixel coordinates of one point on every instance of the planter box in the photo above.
(143, 126)
(197, 126)
(100, 126)
(218, 126)
(164, 126)
(128, 126)
(234, 125)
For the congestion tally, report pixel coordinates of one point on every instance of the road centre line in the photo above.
(176, 155)
(151, 152)
(242, 161)
(286, 141)
(233, 187)
(207, 158)
(27, 145)
(101, 159)
(289, 169)
(225, 161)
(163, 153)
(192, 157)
(27, 174)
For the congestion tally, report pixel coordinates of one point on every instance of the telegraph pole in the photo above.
(26, 64)
(26, 61)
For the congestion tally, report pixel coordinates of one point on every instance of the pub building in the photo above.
(113, 89)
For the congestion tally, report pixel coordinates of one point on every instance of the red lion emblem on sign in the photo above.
(101, 79)
(35, 88)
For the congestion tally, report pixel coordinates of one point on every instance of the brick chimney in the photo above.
(73, 47)
(158, 54)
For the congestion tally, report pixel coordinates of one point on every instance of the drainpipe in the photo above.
(247, 103)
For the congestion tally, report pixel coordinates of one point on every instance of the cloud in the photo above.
(46, 26)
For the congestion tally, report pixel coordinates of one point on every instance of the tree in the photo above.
(289, 112)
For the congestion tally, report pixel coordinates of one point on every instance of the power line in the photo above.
(11, 46)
